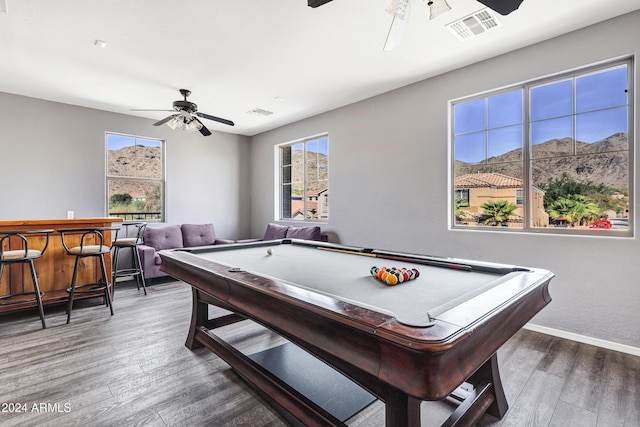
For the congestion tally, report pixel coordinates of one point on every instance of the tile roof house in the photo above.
(478, 188)
(317, 205)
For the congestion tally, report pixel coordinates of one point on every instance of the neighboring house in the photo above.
(317, 205)
(478, 188)
(138, 197)
(321, 197)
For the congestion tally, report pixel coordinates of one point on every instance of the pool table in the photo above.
(418, 340)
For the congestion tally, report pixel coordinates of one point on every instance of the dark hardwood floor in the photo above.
(133, 369)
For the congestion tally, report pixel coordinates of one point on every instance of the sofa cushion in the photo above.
(166, 237)
(198, 235)
(275, 231)
(304, 233)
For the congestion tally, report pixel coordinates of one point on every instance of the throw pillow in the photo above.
(198, 235)
(275, 231)
(167, 237)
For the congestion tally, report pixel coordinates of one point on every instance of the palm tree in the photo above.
(497, 212)
(575, 209)
(588, 210)
(563, 208)
(460, 214)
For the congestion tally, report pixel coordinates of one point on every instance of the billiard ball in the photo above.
(391, 279)
(269, 251)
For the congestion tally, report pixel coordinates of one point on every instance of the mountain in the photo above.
(138, 161)
(605, 161)
(317, 171)
(146, 162)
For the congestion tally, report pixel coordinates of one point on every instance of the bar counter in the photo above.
(55, 268)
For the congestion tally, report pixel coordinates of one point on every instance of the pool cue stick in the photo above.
(430, 262)
(344, 251)
(433, 263)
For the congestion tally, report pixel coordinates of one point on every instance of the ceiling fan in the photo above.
(185, 117)
(400, 9)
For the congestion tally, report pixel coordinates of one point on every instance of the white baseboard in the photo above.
(635, 351)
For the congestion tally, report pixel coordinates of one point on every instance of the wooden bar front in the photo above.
(55, 268)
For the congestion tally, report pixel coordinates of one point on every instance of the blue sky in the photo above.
(116, 142)
(319, 145)
(493, 125)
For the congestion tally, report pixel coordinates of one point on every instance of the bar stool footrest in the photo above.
(9, 300)
(89, 288)
(127, 272)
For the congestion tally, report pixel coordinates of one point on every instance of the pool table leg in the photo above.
(401, 410)
(489, 372)
(199, 317)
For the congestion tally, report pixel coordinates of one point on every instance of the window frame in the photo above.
(161, 181)
(527, 140)
(279, 176)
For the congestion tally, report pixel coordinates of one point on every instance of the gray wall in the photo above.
(388, 183)
(52, 159)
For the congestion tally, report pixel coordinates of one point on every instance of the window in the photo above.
(135, 177)
(551, 155)
(304, 179)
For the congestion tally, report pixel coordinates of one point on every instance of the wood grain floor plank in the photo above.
(570, 415)
(559, 358)
(133, 369)
(584, 386)
(537, 402)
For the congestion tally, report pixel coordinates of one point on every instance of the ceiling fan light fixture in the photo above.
(192, 126)
(437, 8)
(176, 122)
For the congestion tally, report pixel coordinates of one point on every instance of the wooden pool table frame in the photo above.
(399, 364)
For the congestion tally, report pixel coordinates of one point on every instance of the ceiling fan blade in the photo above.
(138, 109)
(503, 7)
(396, 31)
(165, 120)
(215, 119)
(401, 10)
(203, 130)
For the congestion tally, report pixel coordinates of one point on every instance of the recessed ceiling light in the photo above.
(100, 43)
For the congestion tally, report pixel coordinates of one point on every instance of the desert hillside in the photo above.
(140, 162)
(605, 161)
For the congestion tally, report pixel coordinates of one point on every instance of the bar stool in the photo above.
(91, 244)
(15, 249)
(129, 242)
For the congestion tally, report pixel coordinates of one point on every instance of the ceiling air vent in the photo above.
(260, 112)
(474, 24)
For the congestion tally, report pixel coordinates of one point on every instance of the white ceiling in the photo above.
(237, 55)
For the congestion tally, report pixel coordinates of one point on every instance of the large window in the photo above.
(135, 177)
(551, 155)
(304, 179)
